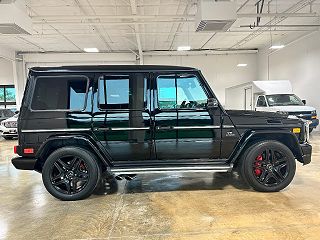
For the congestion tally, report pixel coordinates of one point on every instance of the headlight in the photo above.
(314, 112)
(2, 123)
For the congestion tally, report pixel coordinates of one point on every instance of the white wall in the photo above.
(6, 72)
(298, 62)
(221, 71)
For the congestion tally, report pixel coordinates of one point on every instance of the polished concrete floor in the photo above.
(162, 207)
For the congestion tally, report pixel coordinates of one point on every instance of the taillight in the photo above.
(28, 150)
(15, 149)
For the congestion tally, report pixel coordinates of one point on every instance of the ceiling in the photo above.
(143, 26)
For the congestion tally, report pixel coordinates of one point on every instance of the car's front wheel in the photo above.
(71, 173)
(268, 166)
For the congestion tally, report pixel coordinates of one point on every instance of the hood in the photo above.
(292, 108)
(244, 117)
(11, 119)
(248, 113)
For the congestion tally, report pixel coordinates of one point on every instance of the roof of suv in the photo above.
(107, 68)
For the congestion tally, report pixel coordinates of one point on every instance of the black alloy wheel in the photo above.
(268, 166)
(71, 173)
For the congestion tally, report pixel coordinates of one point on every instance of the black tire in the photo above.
(265, 173)
(71, 173)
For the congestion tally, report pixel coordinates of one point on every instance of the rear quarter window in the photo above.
(60, 93)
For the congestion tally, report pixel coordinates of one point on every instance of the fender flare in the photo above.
(287, 138)
(100, 151)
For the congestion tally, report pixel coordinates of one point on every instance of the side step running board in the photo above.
(194, 169)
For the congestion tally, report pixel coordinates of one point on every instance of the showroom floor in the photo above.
(162, 207)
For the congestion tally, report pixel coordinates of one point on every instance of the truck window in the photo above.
(261, 102)
(60, 93)
(180, 92)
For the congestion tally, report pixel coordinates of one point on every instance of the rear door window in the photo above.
(60, 93)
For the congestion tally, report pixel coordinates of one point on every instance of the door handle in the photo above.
(164, 128)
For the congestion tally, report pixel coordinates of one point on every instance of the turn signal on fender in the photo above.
(296, 130)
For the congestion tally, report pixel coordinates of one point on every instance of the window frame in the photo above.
(60, 110)
(156, 99)
(4, 102)
(145, 86)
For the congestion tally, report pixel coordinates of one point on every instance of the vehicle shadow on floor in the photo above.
(176, 182)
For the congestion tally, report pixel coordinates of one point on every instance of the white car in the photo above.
(8, 128)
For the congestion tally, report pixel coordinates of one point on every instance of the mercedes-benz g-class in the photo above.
(79, 124)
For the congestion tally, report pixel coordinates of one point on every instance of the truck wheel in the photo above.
(268, 166)
(71, 173)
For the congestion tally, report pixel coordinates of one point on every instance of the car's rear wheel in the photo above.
(268, 166)
(71, 173)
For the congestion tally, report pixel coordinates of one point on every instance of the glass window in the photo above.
(10, 94)
(59, 93)
(167, 98)
(114, 92)
(1, 94)
(187, 95)
(7, 96)
(123, 92)
(261, 102)
(284, 100)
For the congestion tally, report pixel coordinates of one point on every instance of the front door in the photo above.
(184, 129)
(121, 119)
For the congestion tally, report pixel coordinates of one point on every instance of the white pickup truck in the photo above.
(270, 96)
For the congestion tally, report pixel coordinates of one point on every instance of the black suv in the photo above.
(79, 124)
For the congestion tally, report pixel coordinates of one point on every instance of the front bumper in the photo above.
(306, 149)
(315, 123)
(24, 163)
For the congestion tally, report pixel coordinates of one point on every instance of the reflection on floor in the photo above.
(191, 206)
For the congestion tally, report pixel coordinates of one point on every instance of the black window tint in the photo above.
(59, 93)
(261, 102)
(123, 92)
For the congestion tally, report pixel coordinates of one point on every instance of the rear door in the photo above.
(184, 129)
(121, 118)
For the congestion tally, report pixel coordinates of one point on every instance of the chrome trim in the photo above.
(56, 130)
(173, 169)
(306, 130)
(196, 127)
(228, 126)
(122, 129)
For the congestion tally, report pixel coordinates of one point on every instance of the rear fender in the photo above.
(55, 142)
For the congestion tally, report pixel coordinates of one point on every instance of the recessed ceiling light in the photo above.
(91, 50)
(242, 65)
(184, 48)
(277, 46)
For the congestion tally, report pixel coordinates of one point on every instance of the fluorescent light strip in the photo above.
(277, 46)
(184, 48)
(91, 50)
(242, 65)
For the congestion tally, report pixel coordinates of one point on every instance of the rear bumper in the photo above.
(306, 153)
(24, 163)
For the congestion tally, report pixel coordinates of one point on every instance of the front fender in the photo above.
(253, 136)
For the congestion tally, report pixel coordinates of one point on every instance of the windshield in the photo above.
(284, 100)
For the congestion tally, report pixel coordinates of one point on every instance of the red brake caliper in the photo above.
(257, 170)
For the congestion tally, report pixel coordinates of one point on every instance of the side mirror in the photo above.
(16, 112)
(212, 103)
(304, 101)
